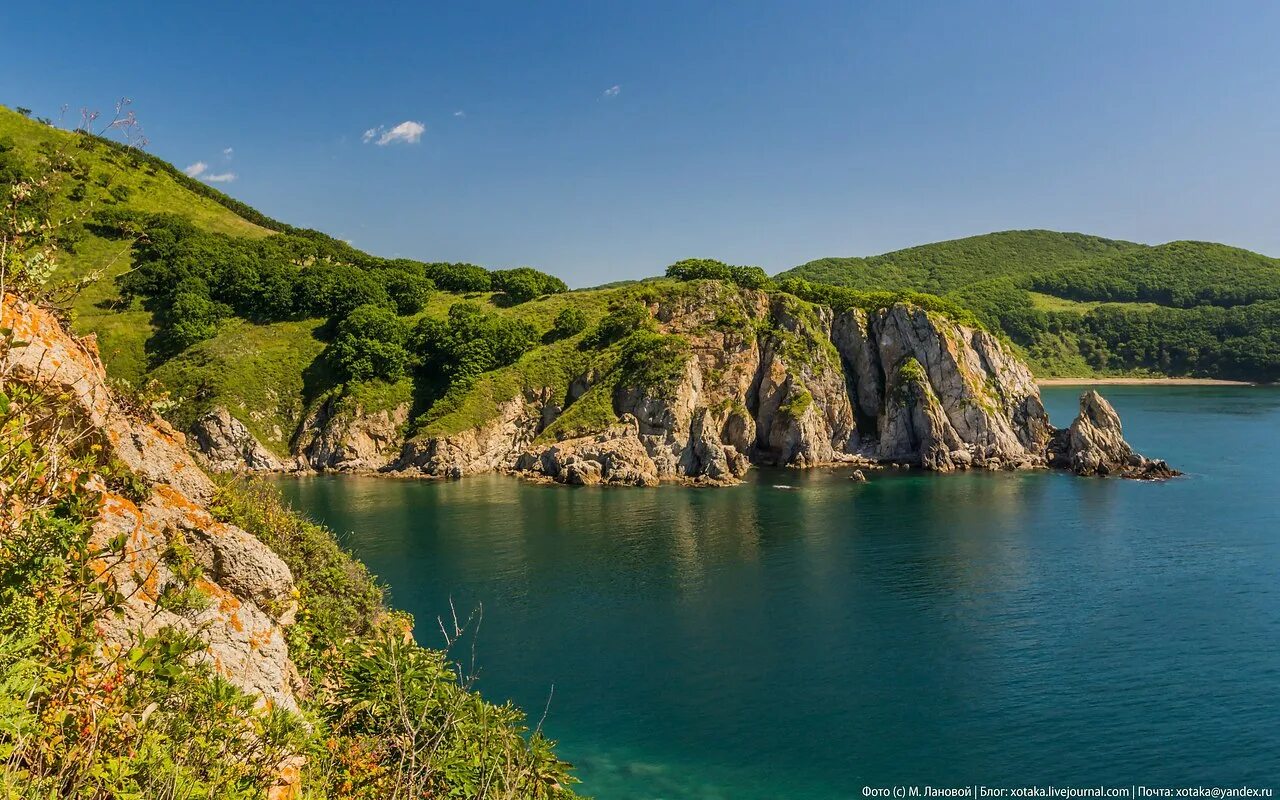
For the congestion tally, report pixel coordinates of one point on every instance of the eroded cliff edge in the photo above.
(251, 590)
(715, 378)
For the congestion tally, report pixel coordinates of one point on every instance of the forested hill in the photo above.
(946, 266)
(1081, 305)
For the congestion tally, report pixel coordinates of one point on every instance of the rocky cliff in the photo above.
(771, 379)
(732, 377)
(250, 591)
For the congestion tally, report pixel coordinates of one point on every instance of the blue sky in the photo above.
(758, 133)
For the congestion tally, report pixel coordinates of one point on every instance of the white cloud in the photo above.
(368, 135)
(197, 169)
(221, 177)
(613, 91)
(227, 151)
(459, 113)
(408, 132)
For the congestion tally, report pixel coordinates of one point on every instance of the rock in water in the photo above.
(1095, 445)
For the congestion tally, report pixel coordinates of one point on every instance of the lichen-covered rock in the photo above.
(1095, 445)
(246, 592)
(224, 444)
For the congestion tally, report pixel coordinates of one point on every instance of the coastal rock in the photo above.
(1095, 445)
(341, 436)
(488, 447)
(223, 444)
(774, 380)
(248, 589)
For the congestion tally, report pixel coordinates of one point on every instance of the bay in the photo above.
(803, 636)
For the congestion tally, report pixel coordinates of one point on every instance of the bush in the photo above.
(525, 283)
(471, 341)
(622, 320)
(192, 318)
(459, 278)
(407, 289)
(569, 322)
(335, 290)
(692, 269)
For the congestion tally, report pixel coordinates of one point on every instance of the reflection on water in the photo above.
(759, 642)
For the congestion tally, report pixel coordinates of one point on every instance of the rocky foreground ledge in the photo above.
(784, 383)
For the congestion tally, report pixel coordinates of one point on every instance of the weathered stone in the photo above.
(1095, 445)
(249, 590)
(224, 444)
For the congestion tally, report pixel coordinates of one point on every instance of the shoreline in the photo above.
(1140, 382)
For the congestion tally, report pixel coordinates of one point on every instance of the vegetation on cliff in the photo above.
(374, 715)
(1080, 305)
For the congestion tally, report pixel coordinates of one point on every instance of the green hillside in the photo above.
(1081, 306)
(946, 266)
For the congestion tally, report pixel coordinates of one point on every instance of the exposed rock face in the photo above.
(249, 589)
(1094, 445)
(337, 438)
(495, 445)
(774, 380)
(764, 379)
(224, 444)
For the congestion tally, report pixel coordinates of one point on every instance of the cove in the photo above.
(802, 636)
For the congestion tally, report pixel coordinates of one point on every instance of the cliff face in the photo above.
(752, 378)
(773, 380)
(250, 591)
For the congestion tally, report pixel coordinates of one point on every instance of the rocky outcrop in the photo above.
(493, 445)
(1095, 445)
(345, 437)
(747, 378)
(247, 591)
(770, 379)
(223, 444)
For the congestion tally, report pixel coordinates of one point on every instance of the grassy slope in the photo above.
(122, 332)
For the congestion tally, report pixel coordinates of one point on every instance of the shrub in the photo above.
(335, 290)
(524, 283)
(459, 278)
(407, 289)
(622, 320)
(469, 342)
(569, 322)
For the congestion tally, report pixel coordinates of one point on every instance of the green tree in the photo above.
(370, 343)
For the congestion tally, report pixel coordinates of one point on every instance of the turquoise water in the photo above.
(802, 642)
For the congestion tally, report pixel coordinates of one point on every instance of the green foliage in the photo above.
(652, 362)
(569, 322)
(461, 278)
(841, 298)
(1180, 274)
(626, 316)
(192, 316)
(370, 343)
(408, 289)
(522, 284)
(691, 269)
(945, 266)
(471, 341)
